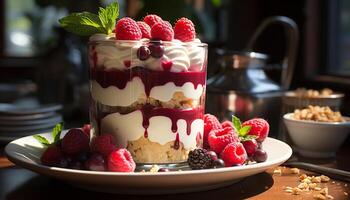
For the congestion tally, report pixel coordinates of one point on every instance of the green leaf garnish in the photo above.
(42, 140)
(56, 135)
(56, 132)
(244, 131)
(236, 123)
(87, 24)
(108, 16)
(247, 137)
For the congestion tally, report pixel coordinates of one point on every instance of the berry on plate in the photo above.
(103, 144)
(210, 123)
(86, 129)
(75, 142)
(259, 128)
(152, 19)
(96, 162)
(199, 159)
(250, 146)
(127, 29)
(227, 124)
(145, 29)
(234, 154)
(218, 139)
(52, 156)
(184, 30)
(162, 31)
(260, 155)
(121, 161)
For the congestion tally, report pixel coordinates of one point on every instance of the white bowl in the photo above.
(316, 139)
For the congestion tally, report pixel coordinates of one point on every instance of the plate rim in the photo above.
(39, 167)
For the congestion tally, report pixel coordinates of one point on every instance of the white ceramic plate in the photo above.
(26, 152)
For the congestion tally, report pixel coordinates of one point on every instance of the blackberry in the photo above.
(199, 159)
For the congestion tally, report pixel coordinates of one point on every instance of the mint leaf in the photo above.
(56, 132)
(244, 130)
(236, 123)
(83, 24)
(108, 16)
(247, 137)
(42, 140)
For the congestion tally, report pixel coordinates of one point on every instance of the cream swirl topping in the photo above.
(117, 54)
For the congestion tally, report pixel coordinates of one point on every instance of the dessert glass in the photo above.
(149, 96)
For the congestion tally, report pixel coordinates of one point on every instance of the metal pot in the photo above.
(242, 88)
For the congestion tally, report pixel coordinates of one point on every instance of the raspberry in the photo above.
(210, 123)
(162, 31)
(259, 128)
(75, 142)
(234, 154)
(145, 29)
(127, 29)
(86, 129)
(227, 124)
(218, 139)
(199, 159)
(121, 161)
(184, 30)
(52, 156)
(152, 19)
(103, 144)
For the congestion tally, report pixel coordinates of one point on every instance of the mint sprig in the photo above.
(56, 135)
(242, 130)
(87, 24)
(108, 16)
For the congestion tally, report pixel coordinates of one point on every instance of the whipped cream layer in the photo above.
(129, 127)
(118, 54)
(135, 91)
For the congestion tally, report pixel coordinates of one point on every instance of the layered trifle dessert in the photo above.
(148, 88)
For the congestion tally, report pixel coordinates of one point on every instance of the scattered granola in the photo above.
(319, 197)
(324, 178)
(277, 171)
(316, 179)
(346, 194)
(310, 183)
(295, 170)
(296, 191)
(324, 191)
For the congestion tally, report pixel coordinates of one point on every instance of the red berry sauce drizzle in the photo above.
(150, 79)
(189, 115)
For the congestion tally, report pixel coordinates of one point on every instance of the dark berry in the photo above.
(260, 155)
(199, 159)
(157, 51)
(74, 164)
(52, 156)
(163, 170)
(212, 155)
(64, 162)
(75, 142)
(82, 157)
(218, 163)
(96, 162)
(250, 146)
(143, 53)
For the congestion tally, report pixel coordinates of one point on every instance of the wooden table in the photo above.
(18, 183)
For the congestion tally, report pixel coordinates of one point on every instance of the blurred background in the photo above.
(40, 63)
